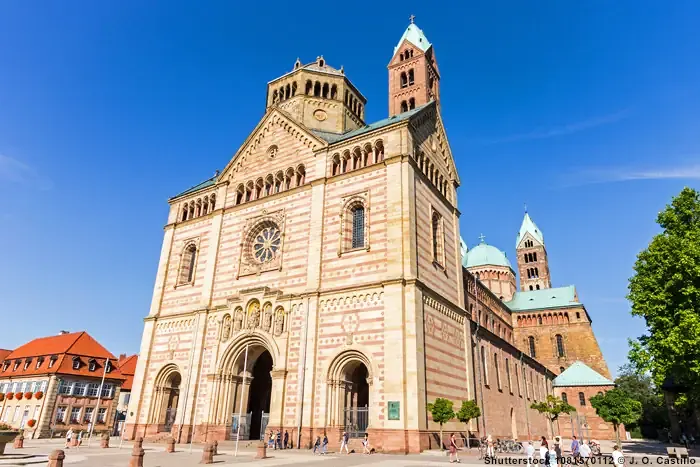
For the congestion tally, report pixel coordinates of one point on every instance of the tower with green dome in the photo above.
(492, 267)
(533, 264)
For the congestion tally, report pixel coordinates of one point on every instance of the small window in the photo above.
(404, 106)
(560, 345)
(498, 373)
(578, 315)
(539, 320)
(561, 369)
(27, 362)
(39, 361)
(52, 360)
(411, 79)
(5, 366)
(109, 367)
(187, 264)
(531, 342)
(92, 365)
(581, 399)
(17, 362)
(530, 287)
(564, 398)
(358, 226)
(438, 239)
(510, 386)
(76, 363)
(484, 366)
(537, 287)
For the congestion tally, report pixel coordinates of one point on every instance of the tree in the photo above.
(551, 408)
(665, 291)
(617, 407)
(468, 411)
(442, 413)
(640, 387)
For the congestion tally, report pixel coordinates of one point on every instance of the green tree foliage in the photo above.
(665, 291)
(641, 388)
(552, 407)
(617, 407)
(442, 413)
(469, 411)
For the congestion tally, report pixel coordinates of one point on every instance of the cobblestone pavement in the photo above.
(36, 452)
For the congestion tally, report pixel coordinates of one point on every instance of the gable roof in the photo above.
(333, 138)
(4, 353)
(197, 187)
(555, 297)
(65, 348)
(580, 374)
(127, 367)
(529, 226)
(415, 36)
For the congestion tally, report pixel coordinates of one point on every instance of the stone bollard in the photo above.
(19, 441)
(262, 451)
(207, 454)
(104, 440)
(170, 445)
(137, 453)
(215, 444)
(56, 458)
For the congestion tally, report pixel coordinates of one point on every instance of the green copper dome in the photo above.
(483, 254)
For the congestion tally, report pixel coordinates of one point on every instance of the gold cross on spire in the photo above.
(411, 18)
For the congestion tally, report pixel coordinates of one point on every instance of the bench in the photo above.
(676, 453)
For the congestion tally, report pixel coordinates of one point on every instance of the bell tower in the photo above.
(414, 79)
(533, 264)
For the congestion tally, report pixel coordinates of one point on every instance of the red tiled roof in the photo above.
(65, 348)
(127, 367)
(4, 353)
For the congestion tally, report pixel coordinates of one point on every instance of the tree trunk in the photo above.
(551, 427)
(468, 443)
(442, 446)
(617, 436)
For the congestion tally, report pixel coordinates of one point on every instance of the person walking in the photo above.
(544, 450)
(324, 447)
(286, 439)
(278, 440)
(344, 443)
(585, 452)
(317, 445)
(574, 447)
(618, 458)
(365, 445)
(453, 449)
(530, 453)
(490, 451)
(69, 437)
(271, 440)
(552, 460)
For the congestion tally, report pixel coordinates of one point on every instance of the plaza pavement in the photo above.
(155, 456)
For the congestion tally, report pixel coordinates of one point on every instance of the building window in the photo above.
(484, 366)
(581, 399)
(560, 345)
(101, 415)
(578, 315)
(411, 77)
(92, 389)
(75, 415)
(109, 367)
(39, 361)
(358, 226)
(52, 360)
(539, 320)
(404, 80)
(107, 390)
(127, 398)
(510, 386)
(5, 366)
(564, 398)
(498, 372)
(531, 343)
(79, 389)
(87, 417)
(61, 414)
(411, 103)
(600, 393)
(92, 365)
(527, 388)
(404, 106)
(42, 387)
(438, 239)
(16, 365)
(517, 379)
(537, 286)
(27, 362)
(561, 369)
(76, 363)
(187, 264)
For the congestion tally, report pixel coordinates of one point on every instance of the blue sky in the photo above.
(589, 112)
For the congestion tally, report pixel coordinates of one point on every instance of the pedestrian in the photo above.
(557, 448)
(286, 439)
(278, 440)
(317, 445)
(271, 440)
(574, 446)
(684, 440)
(324, 449)
(344, 443)
(529, 452)
(552, 461)
(490, 451)
(80, 438)
(544, 450)
(69, 437)
(618, 458)
(453, 449)
(585, 451)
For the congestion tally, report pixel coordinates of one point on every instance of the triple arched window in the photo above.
(358, 158)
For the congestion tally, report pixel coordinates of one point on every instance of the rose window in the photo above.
(266, 244)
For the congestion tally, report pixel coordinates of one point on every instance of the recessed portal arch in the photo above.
(349, 390)
(166, 398)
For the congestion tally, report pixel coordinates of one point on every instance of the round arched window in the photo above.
(266, 243)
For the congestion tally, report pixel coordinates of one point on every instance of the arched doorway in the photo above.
(259, 395)
(166, 398)
(356, 410)
(513, 424)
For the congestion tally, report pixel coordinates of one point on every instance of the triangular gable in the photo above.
(527, 236)
(580, 374)
(419, 119)
(274, 116)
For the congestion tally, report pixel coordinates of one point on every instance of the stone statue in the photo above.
(226, 330)
(279, 323)
(238, 320)
(267, 317)
(254, 316)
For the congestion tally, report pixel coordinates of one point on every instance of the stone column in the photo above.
(279, 380)
(43, 428)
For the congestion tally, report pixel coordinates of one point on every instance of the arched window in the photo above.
(534, 256)
(537, 286)
(334, 92)
(600, 393)
(537, 273)
(484, 367)
(335, 170)
(288, 177)
(510, 386)
(301, 175)
(317, 89)
(358, 226)
(564, 398)
(294, 88)
(581, 399)
(517, 378)
(187, 264)
(498, 373)
(269, 183)
(378, 151)
(539, 320)
(561, 369)
(287, 91)
(404, 106)
(438, 251)
(410, 77)
(279, 179)
(404, 80)
(240, 193)
(309, 86)
(411, 103)
(525, 257)
(560, 345)
(531, 343)
(530, 287)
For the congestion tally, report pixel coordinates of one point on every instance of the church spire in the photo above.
(529, 226)
(533, 264)
(413, 74)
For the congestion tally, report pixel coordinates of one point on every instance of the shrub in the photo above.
(10, 395)
(18, 396)
(38, 395)
(5, 427)
(2, 396)
(31, 423)
(28, 395)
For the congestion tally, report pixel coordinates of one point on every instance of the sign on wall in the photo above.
(394, 410)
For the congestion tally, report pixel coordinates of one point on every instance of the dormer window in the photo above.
(39, 361)
(17, 362)
(92, 365)
(52, 360)
(76, 363)
(27, 362)
(5, 366)
(108, 368)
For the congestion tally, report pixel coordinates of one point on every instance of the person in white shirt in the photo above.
(544, 449)
(552, 457)
(585, 451)
(529, 452)
(618, 458)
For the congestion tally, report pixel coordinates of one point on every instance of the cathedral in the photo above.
(319, 284)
